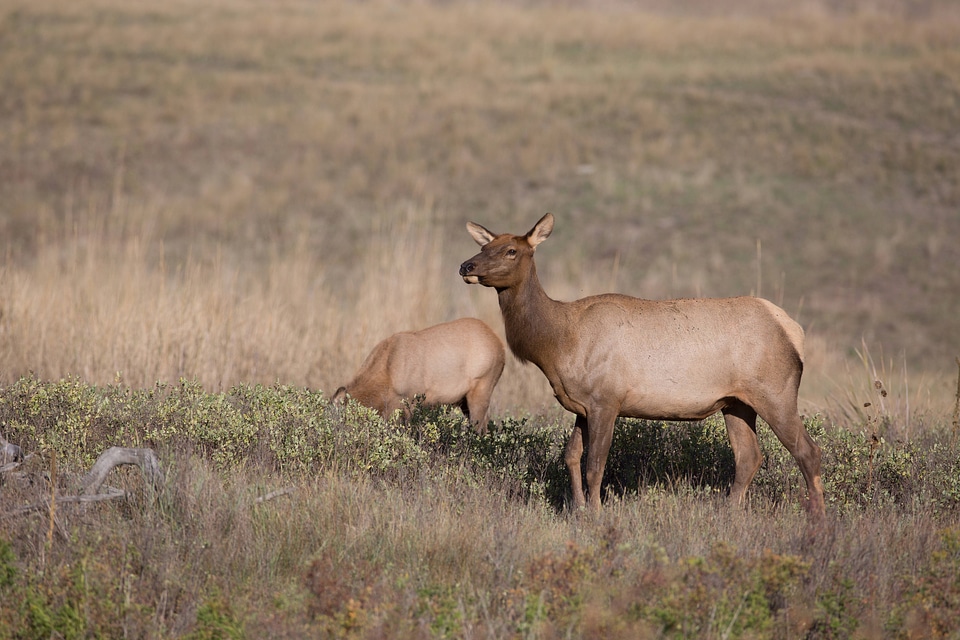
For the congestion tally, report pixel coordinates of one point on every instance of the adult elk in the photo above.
(613, 355)
(456, 362)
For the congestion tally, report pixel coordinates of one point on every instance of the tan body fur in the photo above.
(614, 355)
(456, 363)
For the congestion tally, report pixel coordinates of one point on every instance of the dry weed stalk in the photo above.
(956, 409)
(53, 496)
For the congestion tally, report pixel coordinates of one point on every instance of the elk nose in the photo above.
(466, 268)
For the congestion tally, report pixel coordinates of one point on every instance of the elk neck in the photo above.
(532, 321)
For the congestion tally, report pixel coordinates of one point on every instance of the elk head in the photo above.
(504, 258)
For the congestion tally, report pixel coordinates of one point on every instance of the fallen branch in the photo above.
(91, 483)
(45, 504)
(13, 465)
(274, 494)
(9, 453)
(146, 459)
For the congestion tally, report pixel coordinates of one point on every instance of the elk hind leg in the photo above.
(741, 421)
(476, 404)
(790, 430)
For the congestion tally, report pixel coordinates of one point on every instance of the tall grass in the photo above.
(224, 142)
(102, 302)
(97, 306)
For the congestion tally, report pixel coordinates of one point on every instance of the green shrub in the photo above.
(65, 602)
(290, 430)
(57, 418)
(656, 453)
(8, 567)
(294, 424)
(285, 429)
(523, 454)
(724, 594)
(931, 603)
(216, 621)
(837, 610)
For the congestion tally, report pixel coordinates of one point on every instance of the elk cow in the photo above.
(614, 355)
(456, 363)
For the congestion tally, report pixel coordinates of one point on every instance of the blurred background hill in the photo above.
(232, 190)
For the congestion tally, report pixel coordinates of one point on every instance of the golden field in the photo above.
(231, 191)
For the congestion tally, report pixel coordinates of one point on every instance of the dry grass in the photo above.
(445, 555)
(98, 309)
(233, 192)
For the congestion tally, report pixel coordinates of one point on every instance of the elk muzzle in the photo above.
(466, 272)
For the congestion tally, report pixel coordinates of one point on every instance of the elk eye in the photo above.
(511, 252)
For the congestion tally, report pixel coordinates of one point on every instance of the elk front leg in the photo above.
(599, 437)
(571, 455)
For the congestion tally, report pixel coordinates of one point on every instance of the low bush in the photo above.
(172, 563)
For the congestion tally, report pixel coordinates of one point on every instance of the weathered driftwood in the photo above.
(10, 466)
(11, 455)
(91, 483)
(146, 459)
(9, 452)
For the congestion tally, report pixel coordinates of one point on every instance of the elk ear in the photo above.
(541, 231)
(480, 235)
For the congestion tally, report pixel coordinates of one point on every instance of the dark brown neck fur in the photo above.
(529, 319)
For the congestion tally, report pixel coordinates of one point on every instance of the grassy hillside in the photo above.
(299, 168)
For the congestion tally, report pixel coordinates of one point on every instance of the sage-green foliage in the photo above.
(287, 429)
(68, 601)
(524, 453)
(216, 620)
(646, 452)
(723, 594)
(8, 570)
(933, 596)
(296, 435)
(65, 418)
(864, 469)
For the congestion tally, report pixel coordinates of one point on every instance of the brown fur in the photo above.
(456, 363)
(613, 355)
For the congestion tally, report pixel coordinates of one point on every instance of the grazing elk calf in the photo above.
(613, 355)
(456, 363)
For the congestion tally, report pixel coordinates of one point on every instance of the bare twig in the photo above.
(52, 503)
(274, 494)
